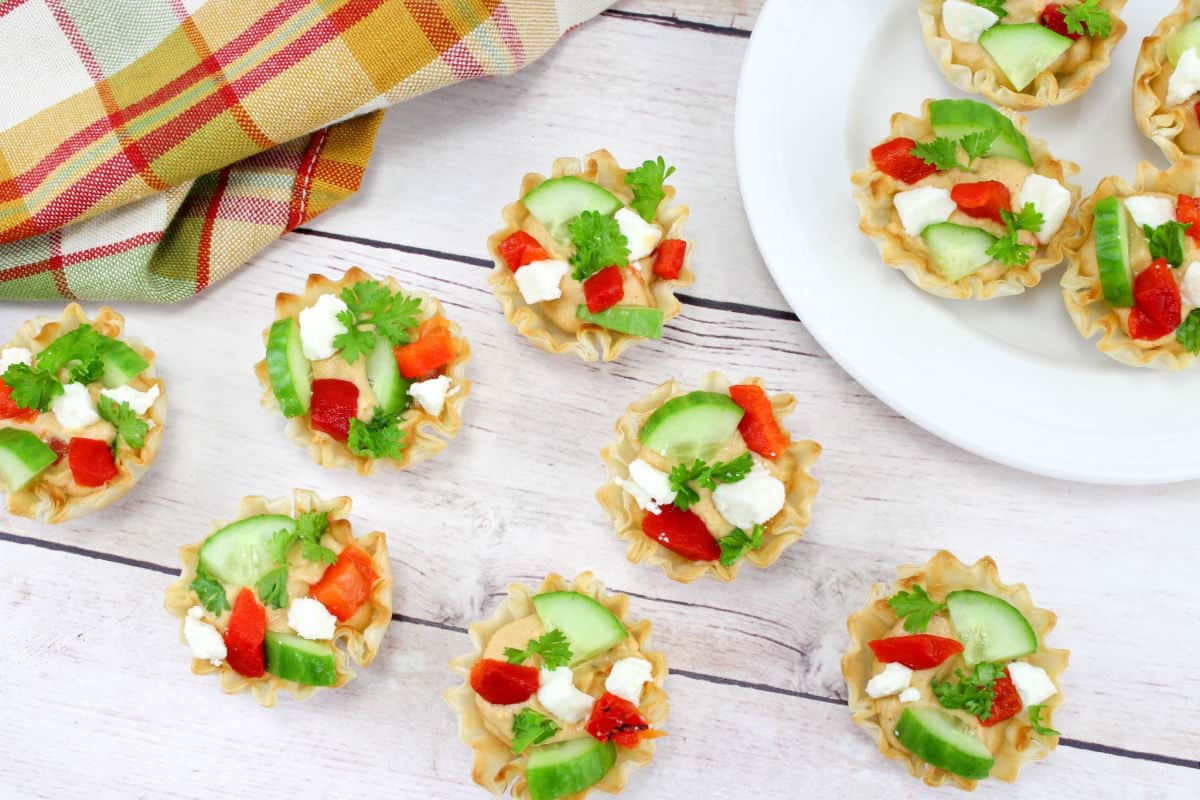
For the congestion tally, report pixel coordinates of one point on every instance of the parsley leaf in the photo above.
(552, 646)
(973, 693)
(210, 591)
(941, 153)
(272, 587)
(309, 529)
(681, 476)
(731, 471)
(129, 425)
(1027, 219)
(530, 727)
(647, 182)
(598, 242)
(706, 475)
(1166, 241)
(280, 543)
(1035, 721)
(79, 350)
(915, 607)
(1087, 17)
(1008, 249)
(32, 388)
(979, 144)
(737, 544)
(388, 314)
(379, 438)
(994, 6)
(1188, 333)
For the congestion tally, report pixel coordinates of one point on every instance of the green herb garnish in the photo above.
(210, 591)
(707, 476)
(1166, 241)
(530, 727)
(374, 310)
(31, 387)
(129, 425)
(1188, 332)
(379, 438)
(941, 153)
(1035, 721)
(915, 607)
(647, 182)
(973, 693)
(1087, 17)
(994, 6)
(737, 543)
(272, 587)
(1008, 249)
(552, 646)
(598, 242)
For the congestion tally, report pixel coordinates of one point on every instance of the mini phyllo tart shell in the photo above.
(537, 323)
(495, 767)
(55, 496)
(782, 530)
(1083, 293)
(1175, 128)
(358, 637)
(875, 194)
(1013, 742)
(424, 435)
(969, 67)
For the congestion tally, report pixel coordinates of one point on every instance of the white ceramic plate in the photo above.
(1009, 379)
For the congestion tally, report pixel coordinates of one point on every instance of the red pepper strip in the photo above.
(1006, 703)
(9, 408)
(617, 719)
(502, 683)
(669, 262)
(681, 532)
(982, 200)
(895, 158)
(91, 461)
(1055, 19)
(433, 349)
(245, 634)
(604, 289)
(520, 249)
(1156, 296)
(919, 651)
(346, 584)
(1187, 209)
(758, 426)
(334, 404)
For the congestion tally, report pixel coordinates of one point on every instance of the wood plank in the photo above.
(737, 14)
(512, 498)
(118, 711)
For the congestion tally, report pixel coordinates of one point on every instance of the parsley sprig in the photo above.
(707, 476)
(129, 425)
(1166, 241)
(379, 438)
(552, 646)
(531, 727)
(598, 242)
(1008, 248)
(78, 351)
(1188, 332)
(942, 152)
(647, 182)
(32, 387)
(1035, 721)
(915, 607)
(994, 6)
(374, 310)
(310, 526)
(1088, 18)
(974, 693)
(737, 543)
(210, 591)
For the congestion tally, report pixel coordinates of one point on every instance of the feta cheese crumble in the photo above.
(431, 394)
(14, 355)
(910, 695)
(1050, 198)
(752, 500)
(966, 21)
(893, 680)
(627, 678)
(74, 407)
(1032, 683)
(1190, 285)
(538, 280)
(310, 620)
(642, 236)
(319, 326)
(140, 402)
(559, 696)
(653, 482)
(920, 208)
(1148, 209)
(203, 638)
(1185, 80)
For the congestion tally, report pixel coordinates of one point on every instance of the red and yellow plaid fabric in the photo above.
(150, 147)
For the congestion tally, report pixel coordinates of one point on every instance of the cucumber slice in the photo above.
(634, 320)
(1188, 38)
(383, 373)
(589, 626)
(990, 629)
(121, 363)
(1022, 52)
(1110, 227)
(954, 119)
(238, 553)
(557, 201)
(23, 457)
(693, 425)
(958, 250)
(557, 770)
(290, 372)
(945, 741)
(295, 659)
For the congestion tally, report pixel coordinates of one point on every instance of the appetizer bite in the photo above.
(964, 203)
(702, 479)
(1166, 80)
(950, 672)
(81, 414)
(283, 597)
(1022, 54)
(1134, 272)
(560, 695)
(588, 260)
(365, 372)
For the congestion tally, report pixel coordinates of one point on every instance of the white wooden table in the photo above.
(96, 696)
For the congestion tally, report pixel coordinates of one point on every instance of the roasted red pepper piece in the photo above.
(59, 447)
(1006, 703)
(1143, 327)
(1156, 293)
(895, 158)
(520, 249)
(502, 683)
(1055, 19)
(918, 651)
(346, 584)
(982, 200)
(758, 426)
(334, 404)
(433, 349)
(604, 289)
(617, 719)
(682, 532)
(1187, 209)
(91, 461)
(244, 636)
(669, 262)
(9, 408)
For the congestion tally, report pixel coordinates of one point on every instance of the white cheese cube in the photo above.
(431, 394)
(920, 208)
(643, 236)
(1185, 80)
(14, 355)
(538, 280)
(559, 696)
(910, 695)
(319, 326)
(627, 678)
(204, 639)
(74, 407)
(654, 482)
(893, 680)
(964, 21)
(1032, 683)
(1190, 285)
(640, 496)
(140, 402)
(752, 500)
(1050, 198)
(310, 619)
(1149, 209)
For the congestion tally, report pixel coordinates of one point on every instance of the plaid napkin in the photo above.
(150, 147)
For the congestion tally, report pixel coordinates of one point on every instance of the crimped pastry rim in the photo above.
(988, 82)
(785, 529)
(495, 768)
(48, 504)
(875, 192)
(361, 646)
(589, 342)
(1161, 125)
(1082, 293)
(876, 619)
(424, 438)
